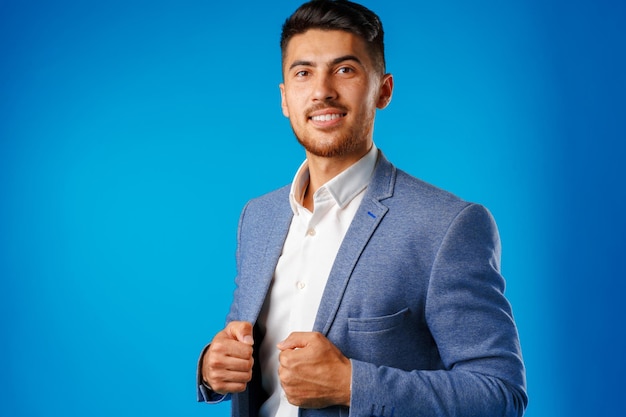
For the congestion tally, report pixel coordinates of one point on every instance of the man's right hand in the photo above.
(227, 363)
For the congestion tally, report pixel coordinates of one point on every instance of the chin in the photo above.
(333, 149)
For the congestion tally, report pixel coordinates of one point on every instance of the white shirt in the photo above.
(304, 265)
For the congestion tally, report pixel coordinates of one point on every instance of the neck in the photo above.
(322, 170)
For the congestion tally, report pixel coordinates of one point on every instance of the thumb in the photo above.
(241, 331)
(295, 340)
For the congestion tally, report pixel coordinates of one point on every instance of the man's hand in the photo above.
(313, 372)
(227, 363)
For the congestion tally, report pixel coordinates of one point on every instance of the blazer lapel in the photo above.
(268, 259)
(366, 220)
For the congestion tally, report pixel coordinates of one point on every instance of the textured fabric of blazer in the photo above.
(415, 299)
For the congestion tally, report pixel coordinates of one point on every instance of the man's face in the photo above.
(331, 91)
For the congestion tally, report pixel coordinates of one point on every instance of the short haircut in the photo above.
(338, 15)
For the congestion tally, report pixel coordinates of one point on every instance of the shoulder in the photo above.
(394, 186)
(434, 218)
(415, 187)
(270, 206)
(413, 195)
(414, 203)
(272, 200)
(432, 198)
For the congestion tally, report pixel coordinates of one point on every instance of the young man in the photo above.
(361, 290)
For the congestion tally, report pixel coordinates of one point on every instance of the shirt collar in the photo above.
(342, 188)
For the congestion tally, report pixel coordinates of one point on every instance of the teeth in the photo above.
(326, 117)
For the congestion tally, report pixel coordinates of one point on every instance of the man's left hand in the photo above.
(313, 372)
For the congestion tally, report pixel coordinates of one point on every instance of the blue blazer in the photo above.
(415, 299)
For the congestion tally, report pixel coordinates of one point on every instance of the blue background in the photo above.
(131, 134)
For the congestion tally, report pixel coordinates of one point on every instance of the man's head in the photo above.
(333, 78)
(338, 15)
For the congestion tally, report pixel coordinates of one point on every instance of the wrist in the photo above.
(347, 391)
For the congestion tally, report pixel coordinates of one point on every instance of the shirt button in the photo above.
(310, 232)
(300, 285)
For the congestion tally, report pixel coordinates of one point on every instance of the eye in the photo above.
(345, 70)
(302, 73)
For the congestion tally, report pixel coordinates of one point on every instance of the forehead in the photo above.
(319, 46)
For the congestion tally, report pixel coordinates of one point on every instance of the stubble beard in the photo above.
(335, 147)
(339, 143)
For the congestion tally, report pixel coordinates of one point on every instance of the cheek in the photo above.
(292, 105)
(362, 96)
(366, 106)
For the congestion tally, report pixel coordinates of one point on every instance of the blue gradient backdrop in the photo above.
(132, 132)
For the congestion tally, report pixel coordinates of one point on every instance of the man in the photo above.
(361, 291)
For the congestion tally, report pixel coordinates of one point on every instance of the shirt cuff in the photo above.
(205, 394)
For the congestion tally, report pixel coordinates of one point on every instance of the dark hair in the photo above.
(338, 15)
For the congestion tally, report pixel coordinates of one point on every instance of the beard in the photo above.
(338, 145)
(344, 140)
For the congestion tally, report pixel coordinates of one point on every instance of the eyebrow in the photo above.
(335, 61)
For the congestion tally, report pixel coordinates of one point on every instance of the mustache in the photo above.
(330, 104)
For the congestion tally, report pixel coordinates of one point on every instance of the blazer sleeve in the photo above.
(473, 327)
(203, 392)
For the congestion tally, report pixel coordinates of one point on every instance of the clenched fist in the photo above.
(313, 372)
(227, 363)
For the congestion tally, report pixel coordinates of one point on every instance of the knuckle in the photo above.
(286, 378)
(216, 347)
(284, 359)
(294, 399)
(214, 362)
(248, 350)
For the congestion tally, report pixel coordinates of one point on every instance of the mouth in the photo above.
(327, 117)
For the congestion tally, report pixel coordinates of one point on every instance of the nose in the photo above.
(324, 88)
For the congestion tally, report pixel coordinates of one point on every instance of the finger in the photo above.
(225, 372)
(230, 363)
(229, 387)
(241, 331)
(227, 347)
(224, 382)
(224, 366)
(296, 340)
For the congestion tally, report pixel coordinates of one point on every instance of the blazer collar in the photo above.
(383, 180)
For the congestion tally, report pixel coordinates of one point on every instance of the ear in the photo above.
(385, 92)
(283, 100)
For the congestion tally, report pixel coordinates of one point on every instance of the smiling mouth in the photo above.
(327, 117)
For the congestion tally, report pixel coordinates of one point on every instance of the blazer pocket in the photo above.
(377, 324)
